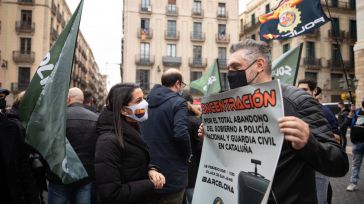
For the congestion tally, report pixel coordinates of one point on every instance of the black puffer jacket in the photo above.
(121, 173)
(294, 180)
(16, 177)
(81, 133)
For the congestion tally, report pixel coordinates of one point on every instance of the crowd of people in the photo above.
(138, 150)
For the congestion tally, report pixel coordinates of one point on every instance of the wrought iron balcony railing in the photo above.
(172, 61)
(24, 27)
(23, 57)
(198, 36)
(197, 62)
(222, 38)
(171, 35)
(144, 60)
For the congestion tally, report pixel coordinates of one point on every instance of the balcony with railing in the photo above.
(54, 34)
(145, 34)
(222, 63)
(197, 36)
(54, 8)
(197, 62)
(144, 60)
(344, 5)
(26, 1)
(312, 34)
(351, 37)
(312, 63)
(222, 15)
(170, 61)
(24, 27)
(18, 87)
(251, 25)
(337, 35)
(145, 8)
(222, 38)
(171, 35)
(83, 82)
(171, 10)
(63, 23)
(197, 13)
(59, 15)
(23, 57)
(334, 64)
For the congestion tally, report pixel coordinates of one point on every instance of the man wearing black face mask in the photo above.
(309, 144)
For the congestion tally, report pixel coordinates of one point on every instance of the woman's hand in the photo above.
(156, 178)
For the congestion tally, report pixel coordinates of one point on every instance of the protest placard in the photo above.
(242, 145)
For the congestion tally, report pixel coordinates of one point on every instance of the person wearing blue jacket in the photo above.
(356, 118)
(166, 134)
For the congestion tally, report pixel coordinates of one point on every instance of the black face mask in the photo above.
(238, 78)
(2, 103)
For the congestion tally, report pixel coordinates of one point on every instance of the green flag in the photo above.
(43, 108)
(285, 67)
(209, 83)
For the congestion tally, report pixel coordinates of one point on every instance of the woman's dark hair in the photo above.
(119, 96)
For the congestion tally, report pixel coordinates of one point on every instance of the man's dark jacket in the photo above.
(121, 172)
(15, 171)
(166, 133)
(194, 123)
(81, 133)
(294, 180)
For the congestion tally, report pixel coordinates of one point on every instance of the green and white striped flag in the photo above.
(43, 108)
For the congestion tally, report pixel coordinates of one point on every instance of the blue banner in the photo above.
(292, 18)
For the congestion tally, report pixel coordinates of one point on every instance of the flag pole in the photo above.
(298, 65)
(218, 70)
(340, 55)
(74, 50)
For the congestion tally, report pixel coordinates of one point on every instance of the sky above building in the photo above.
(101, 25)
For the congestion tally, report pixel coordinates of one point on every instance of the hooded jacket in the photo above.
(294, 180)
(166, 133)
(121, 172)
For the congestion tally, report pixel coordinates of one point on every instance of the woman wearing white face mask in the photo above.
(123, 172)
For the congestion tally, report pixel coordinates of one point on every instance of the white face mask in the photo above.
(140, 111)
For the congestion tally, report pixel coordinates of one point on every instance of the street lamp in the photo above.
(355, 82)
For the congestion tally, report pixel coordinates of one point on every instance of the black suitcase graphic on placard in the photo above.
(252, 186)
